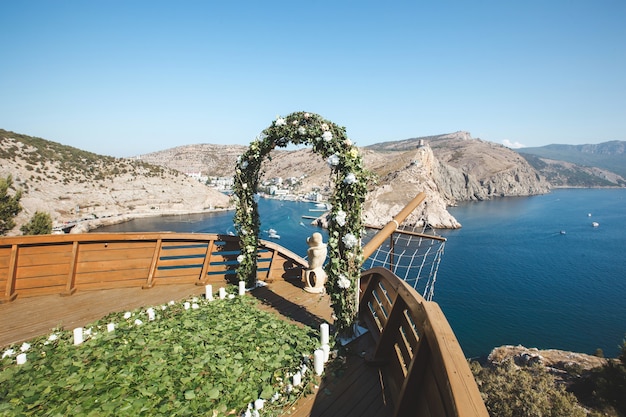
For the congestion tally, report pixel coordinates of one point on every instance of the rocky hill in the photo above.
(606, 156)
(73, 185)
(449, 168)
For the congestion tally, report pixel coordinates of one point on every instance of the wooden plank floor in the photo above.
(353, 388)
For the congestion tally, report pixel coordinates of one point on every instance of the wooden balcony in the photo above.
(408, 363)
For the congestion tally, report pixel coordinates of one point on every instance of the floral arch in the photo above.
(345, 224)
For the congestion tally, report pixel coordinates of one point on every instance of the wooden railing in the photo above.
(424, 366)
(62, 264)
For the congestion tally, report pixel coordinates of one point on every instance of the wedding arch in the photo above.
(344, 223)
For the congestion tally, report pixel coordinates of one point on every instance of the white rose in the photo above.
(327, 136)
(280, 122)
(349, 179)
(301, 130)
(340, 218)
(343, 282)
(333, 160)
(349, 240)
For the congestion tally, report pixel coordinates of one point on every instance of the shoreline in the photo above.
(91, 225)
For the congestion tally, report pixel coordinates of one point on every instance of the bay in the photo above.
(508, 276)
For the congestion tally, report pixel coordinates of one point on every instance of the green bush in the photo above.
(512, 391)
(39, 224)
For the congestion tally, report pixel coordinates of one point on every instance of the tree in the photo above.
(9, 205)
(39, 224)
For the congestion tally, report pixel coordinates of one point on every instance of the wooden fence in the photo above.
(62, 264)
(424, 365)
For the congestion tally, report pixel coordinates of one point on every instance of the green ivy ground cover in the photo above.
(195, 358)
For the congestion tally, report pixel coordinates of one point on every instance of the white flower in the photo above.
(240, 258)
(349, 179)
(138, 322)
(244, 164)
(244, 186)
(340, 218)
(8, 352)
(327, 136)
(348, 142)
(324, 127)
(25, 346)
(349, 240)
(163, 307)
(53, 337)
(127, 315)
(302, 130)
(187, 305)
(280, 122)
(333, 160)
(343, 282)
(275, 397)
(172, 302)
(195, 306)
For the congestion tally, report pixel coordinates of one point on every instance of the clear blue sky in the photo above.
(123, 78)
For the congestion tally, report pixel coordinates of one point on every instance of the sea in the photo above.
(531, 271)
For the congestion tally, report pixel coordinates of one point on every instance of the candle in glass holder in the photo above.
(222, 293)
(78, 335)
(242, 287)
(297, 379)
(324, 334)
(318, 361)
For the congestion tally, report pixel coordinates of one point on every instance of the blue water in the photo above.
(508, 276)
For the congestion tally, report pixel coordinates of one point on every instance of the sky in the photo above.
(123, 78)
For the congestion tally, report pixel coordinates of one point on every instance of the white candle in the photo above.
(297, 379)
(324, 329)
(21, 359)
(242, 287)
(151, 314)
(78, 335)
(110, 327)
(318, 361)
(208, 292)
(187, 305)
(326, 350)
(222, 293)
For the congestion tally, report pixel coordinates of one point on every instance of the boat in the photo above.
(595, 224)
(563, 232)
(409, 361)
(273, 234)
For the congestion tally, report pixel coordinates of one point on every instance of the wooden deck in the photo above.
(352, 389)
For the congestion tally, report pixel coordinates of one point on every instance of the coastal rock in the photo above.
(548, 357)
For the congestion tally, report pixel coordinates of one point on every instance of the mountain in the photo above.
(449, 168)
(592, 165)
(71, 184)
(74, 184)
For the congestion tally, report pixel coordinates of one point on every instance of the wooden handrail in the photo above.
(417, 347)
(392, 226)
(63, 264)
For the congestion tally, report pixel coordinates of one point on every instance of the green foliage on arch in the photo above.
(345, 224)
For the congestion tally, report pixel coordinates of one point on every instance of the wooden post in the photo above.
(392, 226)
(70, 287)
(9, 291)
(155, 261)
(202, 280)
